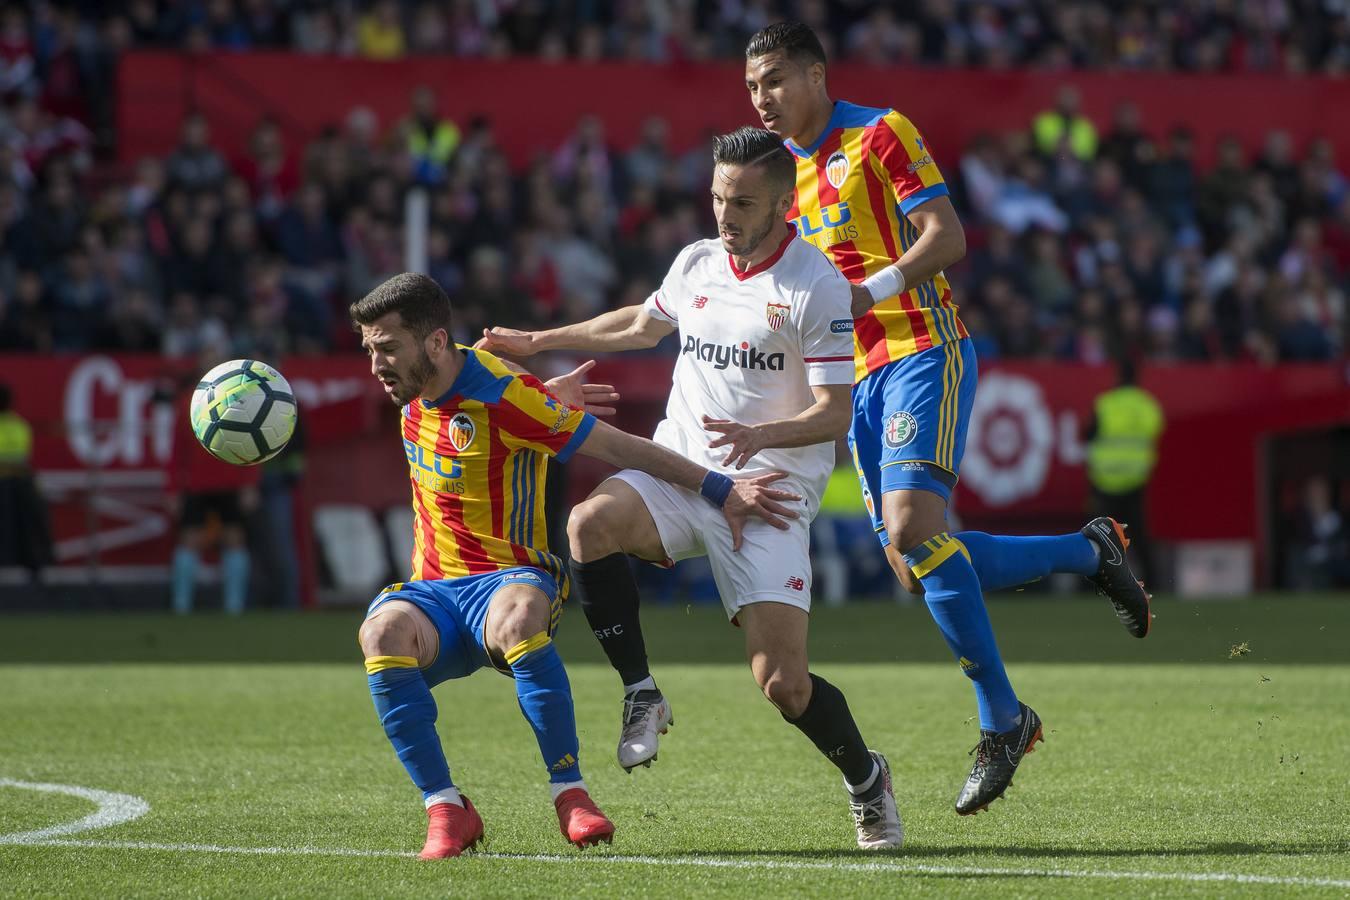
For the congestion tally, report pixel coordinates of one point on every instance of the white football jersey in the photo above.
(752, 344)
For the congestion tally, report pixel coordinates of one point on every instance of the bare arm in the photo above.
(941, 243)
(738, 500)
(574, 390)
(825, 421)
(629, 328)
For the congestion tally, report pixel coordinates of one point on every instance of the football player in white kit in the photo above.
(762, 384)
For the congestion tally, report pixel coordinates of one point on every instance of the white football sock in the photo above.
(562, 786)
(646, 684)
(867, 784)
(449, 795)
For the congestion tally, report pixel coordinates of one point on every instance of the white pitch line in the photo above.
(113, 809)
(893, 867)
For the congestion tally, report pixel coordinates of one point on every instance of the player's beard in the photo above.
(409, 386)
(747, 246)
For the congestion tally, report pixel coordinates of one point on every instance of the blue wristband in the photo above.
(715, 488)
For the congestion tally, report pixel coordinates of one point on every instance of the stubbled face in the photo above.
(781, 91)
(746, 207)
(397, 358)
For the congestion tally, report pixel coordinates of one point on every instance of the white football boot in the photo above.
(875, 815)
(646, 716)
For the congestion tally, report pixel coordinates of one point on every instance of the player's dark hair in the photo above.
(796, 39)
(418, 300)
(748, 146)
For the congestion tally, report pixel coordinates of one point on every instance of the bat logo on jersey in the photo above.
(699, 302)
(777, 314)
(836, 168)
(742, 356)
(461, 432)
(900, 429)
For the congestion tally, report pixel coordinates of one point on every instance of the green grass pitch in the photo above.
(1207, 760)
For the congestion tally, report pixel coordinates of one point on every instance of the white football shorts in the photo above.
(771, 566)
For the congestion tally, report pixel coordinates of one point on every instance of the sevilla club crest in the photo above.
(461, 432)
(777, 314)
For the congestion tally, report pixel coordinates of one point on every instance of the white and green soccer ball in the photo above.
(243, 412)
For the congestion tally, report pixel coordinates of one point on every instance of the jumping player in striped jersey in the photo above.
(870, 195)
(485, 590)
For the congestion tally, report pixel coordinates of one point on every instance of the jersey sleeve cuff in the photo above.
(578, 438)
(918, 198)
(657, 310)
(832, 372)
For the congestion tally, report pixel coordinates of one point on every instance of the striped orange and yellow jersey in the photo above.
(477, 459)
(856, 186)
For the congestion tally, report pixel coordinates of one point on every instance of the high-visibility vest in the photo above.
(1123, 452)
(439, 147)
(1049, 128)
(16, 439)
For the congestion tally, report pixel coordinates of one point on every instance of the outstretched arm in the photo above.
(630, 328)
(738, 498)
(825, 421)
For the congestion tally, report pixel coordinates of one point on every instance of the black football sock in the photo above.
(830, 726)
(608, 595)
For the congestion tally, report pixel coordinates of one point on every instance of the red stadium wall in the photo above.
(533, 105)
(102, 454)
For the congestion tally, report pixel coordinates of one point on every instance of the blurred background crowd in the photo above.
(1087, 238)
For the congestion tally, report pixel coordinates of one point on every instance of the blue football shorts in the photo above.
(909, 424)
(458, 607)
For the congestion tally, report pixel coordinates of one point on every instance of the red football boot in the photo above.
(451, 830)
(580, 820)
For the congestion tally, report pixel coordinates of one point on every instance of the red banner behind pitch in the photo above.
(101, 444)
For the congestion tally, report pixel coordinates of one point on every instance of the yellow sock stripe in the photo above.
(962, 547)
(380, 663)
(529, 645)
(920, 568)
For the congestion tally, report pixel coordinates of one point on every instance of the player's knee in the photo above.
(908, 527)
(790, 692)
(516, 620)
(591, 531)
(903, 573)
(388, 635)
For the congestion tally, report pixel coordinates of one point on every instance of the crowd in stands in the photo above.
(1087, 239)
(1294, 36)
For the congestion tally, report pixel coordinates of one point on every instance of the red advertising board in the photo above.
(101, 447)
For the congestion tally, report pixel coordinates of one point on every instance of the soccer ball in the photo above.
(243, 412)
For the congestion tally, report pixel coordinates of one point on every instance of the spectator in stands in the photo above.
(1063, 129)
(379, 35)
(195, 165)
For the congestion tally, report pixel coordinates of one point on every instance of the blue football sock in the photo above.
(546, 699)
(234, 568)
(952, 592)
(184, 579)
(1004, 561)
(408, 713)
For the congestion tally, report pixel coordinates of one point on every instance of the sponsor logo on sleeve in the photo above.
(841, 326)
